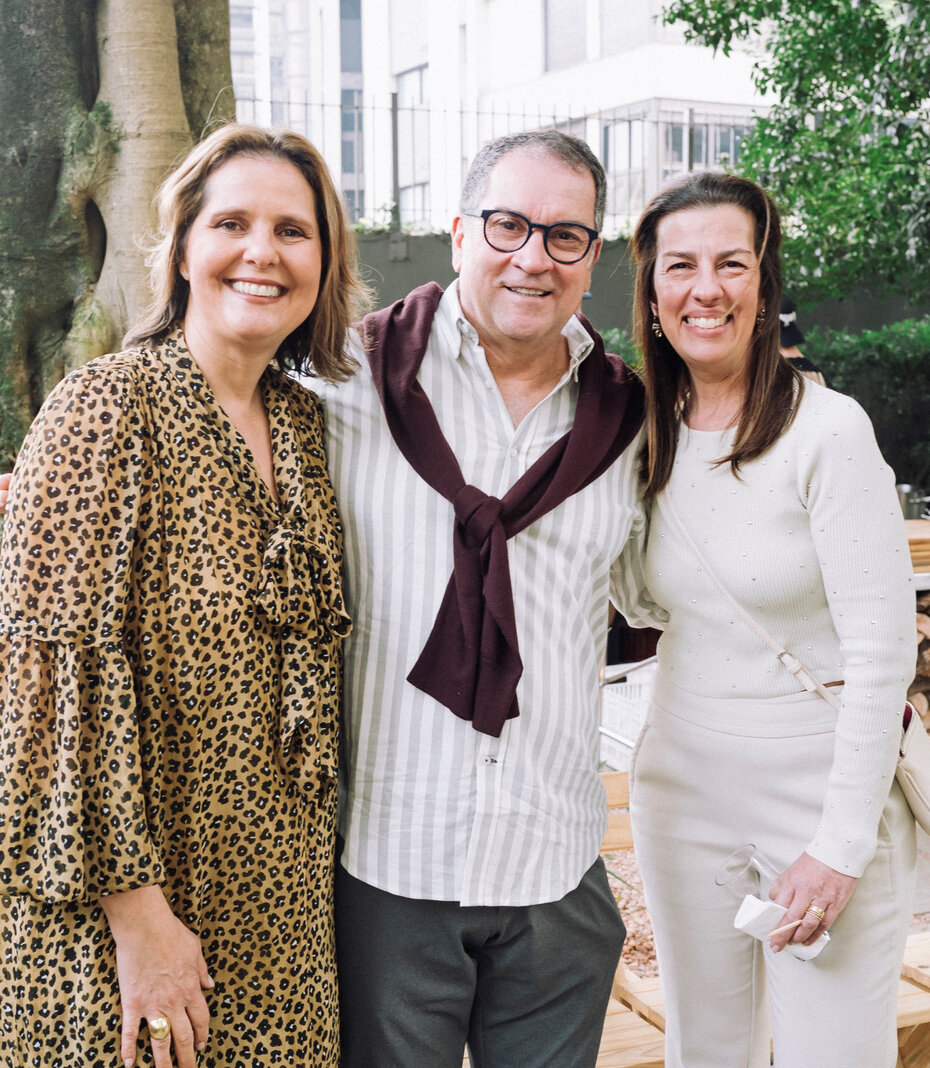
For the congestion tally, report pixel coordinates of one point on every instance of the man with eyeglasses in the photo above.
(483, 458)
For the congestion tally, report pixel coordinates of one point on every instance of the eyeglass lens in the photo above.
(506, 233)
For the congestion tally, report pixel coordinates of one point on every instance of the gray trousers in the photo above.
(522, 986)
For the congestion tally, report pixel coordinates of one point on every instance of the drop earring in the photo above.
(656, 326)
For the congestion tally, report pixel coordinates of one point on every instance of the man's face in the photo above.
(520, 301)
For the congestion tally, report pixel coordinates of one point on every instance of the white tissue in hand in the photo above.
(758, 918)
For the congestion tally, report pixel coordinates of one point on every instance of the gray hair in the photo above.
(567, 149)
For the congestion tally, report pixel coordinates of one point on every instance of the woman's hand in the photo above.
(162, 973)
(5, 480)
(809, 883)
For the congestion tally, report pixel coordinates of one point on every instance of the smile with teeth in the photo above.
(252, 289)
(706, 324)
(520, 291)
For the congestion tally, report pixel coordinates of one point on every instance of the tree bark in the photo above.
(48, 248)
(205, 64)
(98, 101)
(140, 86)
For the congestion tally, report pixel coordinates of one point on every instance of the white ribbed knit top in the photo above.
(811, 541)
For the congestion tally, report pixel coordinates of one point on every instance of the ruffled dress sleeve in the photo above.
(72, 804)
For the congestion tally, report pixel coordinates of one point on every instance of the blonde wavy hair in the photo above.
(317, 346)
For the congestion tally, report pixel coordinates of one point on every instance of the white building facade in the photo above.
(399, 94)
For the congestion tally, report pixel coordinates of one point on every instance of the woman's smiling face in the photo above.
(253, 257)
(706, 286)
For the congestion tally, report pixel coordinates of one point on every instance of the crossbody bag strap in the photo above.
(791, 662)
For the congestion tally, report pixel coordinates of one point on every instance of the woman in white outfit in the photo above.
(782, 486)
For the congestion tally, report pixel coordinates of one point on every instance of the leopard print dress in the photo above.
(171, 641)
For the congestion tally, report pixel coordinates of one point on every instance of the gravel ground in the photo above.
(627, 884)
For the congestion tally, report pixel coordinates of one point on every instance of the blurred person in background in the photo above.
(790, 338)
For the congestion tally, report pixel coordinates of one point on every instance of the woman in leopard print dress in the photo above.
(171, 621)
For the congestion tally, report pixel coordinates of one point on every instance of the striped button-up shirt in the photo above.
(429, 807)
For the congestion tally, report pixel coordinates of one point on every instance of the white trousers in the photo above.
(710, 775)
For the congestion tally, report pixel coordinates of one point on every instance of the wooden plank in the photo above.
(913, 1005)
(642, 996)
(916, 966)
(619, 833)
(617, 785)
(628, 1041)
(914, 1046)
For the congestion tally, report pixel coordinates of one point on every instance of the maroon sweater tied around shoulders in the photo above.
(471, 661)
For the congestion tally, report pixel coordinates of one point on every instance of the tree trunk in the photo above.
(205, 65)
(48, 249)
(140, 88)
(98, 102)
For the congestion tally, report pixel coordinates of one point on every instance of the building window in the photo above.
(240, 17)
(673, 155)
(572, 127)
(243, 65)
(350, 36)
(566, 33)
(353, 179)
(355, 203)
(728, 143)
(693, 141)
(625, 163)
(413, 146)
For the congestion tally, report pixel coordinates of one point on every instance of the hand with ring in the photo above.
(814, 895)
(815, 910)
(159, 1027)
(162, 977)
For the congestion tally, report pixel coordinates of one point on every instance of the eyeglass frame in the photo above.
(485, 213)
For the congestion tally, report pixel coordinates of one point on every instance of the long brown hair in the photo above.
(317, 346)
(772, 383)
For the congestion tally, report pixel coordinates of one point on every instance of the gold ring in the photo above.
(159, 1027)
(815, 910)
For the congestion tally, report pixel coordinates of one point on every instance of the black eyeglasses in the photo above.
(506, 231)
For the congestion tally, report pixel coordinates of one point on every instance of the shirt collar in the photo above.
(461, 338)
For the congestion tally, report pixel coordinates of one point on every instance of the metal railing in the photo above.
(401, 164)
